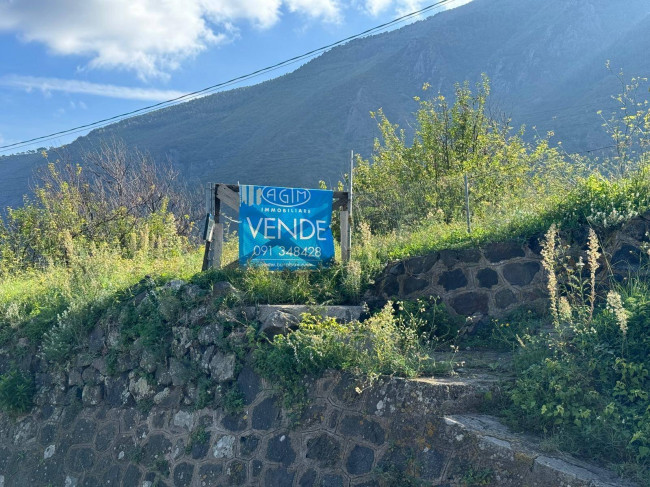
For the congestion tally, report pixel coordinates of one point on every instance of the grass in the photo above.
(34, 301)
(595, 201)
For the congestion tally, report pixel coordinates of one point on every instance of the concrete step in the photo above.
(518, 460)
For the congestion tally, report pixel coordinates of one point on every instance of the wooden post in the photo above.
(209, 201)
(344, 217)
(218, 230)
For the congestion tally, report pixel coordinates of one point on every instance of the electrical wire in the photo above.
(212, 88)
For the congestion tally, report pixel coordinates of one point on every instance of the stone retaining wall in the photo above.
(500, 277)
(387, 435)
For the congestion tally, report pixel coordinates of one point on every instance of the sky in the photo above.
(66, 63)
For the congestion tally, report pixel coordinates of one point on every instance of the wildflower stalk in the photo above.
(549, 258)
(592, 260)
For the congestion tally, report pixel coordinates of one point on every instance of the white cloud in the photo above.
(152, 37)
(149, 37)
(47, 85)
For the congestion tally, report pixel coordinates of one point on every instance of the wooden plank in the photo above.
(228, 196)
(206, 256)
(345, 235)
(208, 252)
(218, 245)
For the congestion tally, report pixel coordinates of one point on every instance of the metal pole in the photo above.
(350, 202)
(469, 229)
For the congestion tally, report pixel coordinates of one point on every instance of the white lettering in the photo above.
(269, 225)
(302, 229)
(321, 228)
(282, 224)
(250, 225)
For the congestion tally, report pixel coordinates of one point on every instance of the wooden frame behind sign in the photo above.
(228, 194)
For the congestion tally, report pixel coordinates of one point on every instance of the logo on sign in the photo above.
(286, 197)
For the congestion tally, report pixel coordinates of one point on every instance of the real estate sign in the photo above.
(285, 228)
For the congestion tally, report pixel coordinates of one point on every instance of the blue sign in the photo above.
(285, 228)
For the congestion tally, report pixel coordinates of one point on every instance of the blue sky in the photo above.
(65, 63)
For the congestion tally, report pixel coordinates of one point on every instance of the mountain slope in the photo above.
(546, 61)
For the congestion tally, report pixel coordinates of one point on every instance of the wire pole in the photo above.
(350, 200)
(469, 228)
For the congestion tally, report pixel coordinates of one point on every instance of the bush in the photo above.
(587, 383)
(404, 184)
(385, 344)
(16, 392)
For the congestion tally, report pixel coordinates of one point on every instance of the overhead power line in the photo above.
(215, 87)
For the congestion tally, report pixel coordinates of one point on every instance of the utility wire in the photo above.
(217, 86)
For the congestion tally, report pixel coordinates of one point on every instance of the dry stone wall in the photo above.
(496, 279)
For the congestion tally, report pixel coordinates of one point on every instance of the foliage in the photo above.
(404, 184)
(117, 198)
(587, 383)
(384, 344)
(16, 391)
(629, 126)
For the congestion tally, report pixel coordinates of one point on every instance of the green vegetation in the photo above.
(96, 249)
(16, 391)
(586, 384)
(388, 343)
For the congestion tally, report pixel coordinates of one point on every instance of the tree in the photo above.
(402, 184)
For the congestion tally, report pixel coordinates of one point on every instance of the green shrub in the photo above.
(16, 392)
(385, 344)
(586, 384)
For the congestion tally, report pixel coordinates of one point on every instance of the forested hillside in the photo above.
(546, 62)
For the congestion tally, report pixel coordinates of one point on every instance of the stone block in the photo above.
(156, 448)
(520, 273)
(266, 415)
(324, 449)
(487, 278)
(248, 445)
(451, 280)
(419, 265)
(132, 476)
(279, 450)
(105, 436)
(470, 303)
(179, 371)
(236, 473)
(183, 474)
(210, 334)
(626, 258)
(224, 447)
(209, 473)
(504, 298)
(411, 285)
(360, 460)
(390, 286)
(500, 251)
(431, 463)
(361, 427)
(308, 479)
(330, 480)
(278, 477)
(222, 367)
(91, 395)
(278, 323)
(234, 422)
(249, 384)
